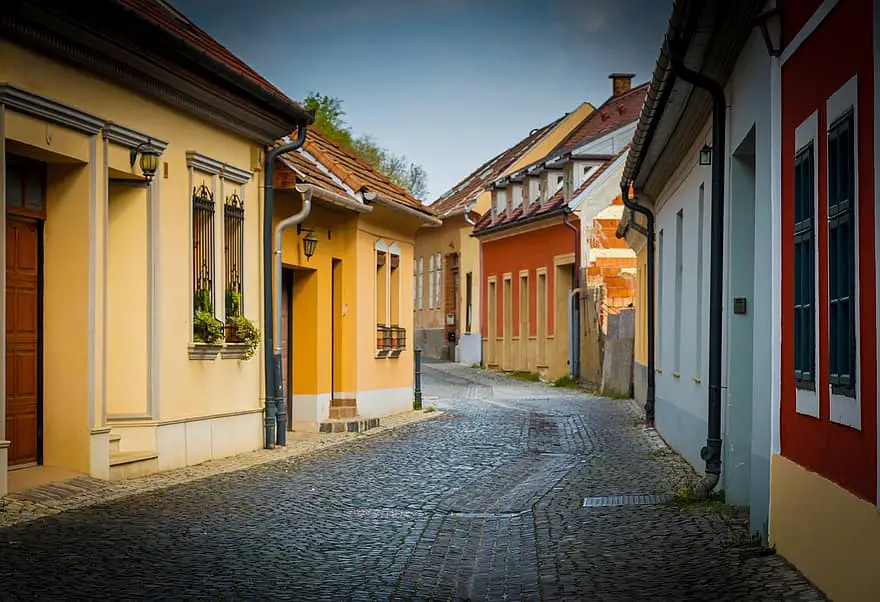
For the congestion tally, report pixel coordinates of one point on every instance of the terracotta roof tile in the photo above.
(464, 192)
(613, 114)
(307, 171)
(356, 173)
(160, 13)
(554, 204)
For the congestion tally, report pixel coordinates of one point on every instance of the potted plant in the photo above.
(239, 329)
(206, 328)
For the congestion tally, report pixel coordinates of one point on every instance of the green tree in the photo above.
(329, 121)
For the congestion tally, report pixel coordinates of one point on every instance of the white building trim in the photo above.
(612, 170)
(808, 29)
(776, 254)
(848, 410)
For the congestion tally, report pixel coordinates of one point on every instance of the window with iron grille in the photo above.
(203, 248)
(804, 270)
(841, 257)
(233, 233)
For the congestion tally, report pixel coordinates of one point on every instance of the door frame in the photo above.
(12, 214)
(287, 276)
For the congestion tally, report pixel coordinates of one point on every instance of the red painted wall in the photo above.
(526, 251)
(794, 14)
(840, 48)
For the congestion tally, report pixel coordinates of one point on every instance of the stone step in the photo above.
(338, 413)
(343, 403)
(133, 464)
(347, 426)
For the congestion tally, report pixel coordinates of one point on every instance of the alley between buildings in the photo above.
(486, 502)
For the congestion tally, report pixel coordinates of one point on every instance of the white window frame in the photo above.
(431, 281)
(844, 410)
(438, 286)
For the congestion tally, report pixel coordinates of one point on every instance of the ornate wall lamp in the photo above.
(706, 155)
(149, 159)
(310, 241)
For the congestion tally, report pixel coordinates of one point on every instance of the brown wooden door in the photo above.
(22, 340)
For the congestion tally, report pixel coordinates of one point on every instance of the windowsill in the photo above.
(234, 351)
(659, 370)
(676, 375)
(394, 353)
(204, 351)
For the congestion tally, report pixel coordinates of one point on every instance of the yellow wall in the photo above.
(430, 241)
(830, 535)
(386, 373)
(187, 388)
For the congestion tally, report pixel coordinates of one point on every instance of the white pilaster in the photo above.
(153, 287)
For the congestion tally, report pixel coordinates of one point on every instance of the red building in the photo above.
(825, 481)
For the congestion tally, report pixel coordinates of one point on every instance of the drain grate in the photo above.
(639, 499)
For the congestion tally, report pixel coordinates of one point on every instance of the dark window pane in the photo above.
(34, 187)
(14, 185)
(804, 252)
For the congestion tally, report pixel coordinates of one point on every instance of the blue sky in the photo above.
(448, 83)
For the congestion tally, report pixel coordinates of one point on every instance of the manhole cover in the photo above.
(625, 500)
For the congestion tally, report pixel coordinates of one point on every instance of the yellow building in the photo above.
(109, 369)
(447, 259)
(630, 228)
(346, 310)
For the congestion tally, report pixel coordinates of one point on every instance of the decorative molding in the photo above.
(127, 417)
(808, 29)
(215, 167)
(104, 430)
(204, 351)
(130, 138)
(147, 421)
(5, 444)
(49, 110)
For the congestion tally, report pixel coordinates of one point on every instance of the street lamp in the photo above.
(149, 159)
(770, 22)
(310, 241)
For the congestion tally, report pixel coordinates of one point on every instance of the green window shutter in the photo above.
(804, 270)
(841, 257)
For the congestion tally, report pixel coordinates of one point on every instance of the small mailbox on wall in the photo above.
(739, 305)
(450, 319)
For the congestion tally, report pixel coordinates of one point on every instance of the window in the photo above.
(841, 257)
(381, 288)
(431, 282)
(25, 187)
(659, 320)
(698, 343)
(390, 336)
(421, 299)
(203, 248)
(394, 293)
(804, 270)
(524, 311)
(679, 272)
(541, 316)
(469, 301)
(233, 239)
(438, 285)
(415, 284)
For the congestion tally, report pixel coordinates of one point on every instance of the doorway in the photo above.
(286, 311)
(336, 297)
(25, 212)
(740, 324)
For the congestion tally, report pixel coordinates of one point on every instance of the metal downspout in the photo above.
(711, 453)
(649, 234)
(574, 310)
(276, 409)
(467, 213)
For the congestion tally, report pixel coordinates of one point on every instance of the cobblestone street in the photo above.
(483, 503)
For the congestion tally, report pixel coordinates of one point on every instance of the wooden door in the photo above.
(22, 340)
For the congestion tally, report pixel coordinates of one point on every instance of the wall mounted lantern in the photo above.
(706, 155)
(310, 241)
(149, 159)
(770, 22)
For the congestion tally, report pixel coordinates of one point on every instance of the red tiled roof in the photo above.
(356, 173)
(160, 13)
(308, 171)
(555, 204)
(463, 193)
(613, 114)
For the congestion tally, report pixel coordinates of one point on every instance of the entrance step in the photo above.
(114, 442)
(347, 426)
(133, 464)
(343, 408)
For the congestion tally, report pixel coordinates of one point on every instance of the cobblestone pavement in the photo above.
(484, 503)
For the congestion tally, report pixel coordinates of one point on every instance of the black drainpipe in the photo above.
(711, 453)
(275, 405)
(649, 234)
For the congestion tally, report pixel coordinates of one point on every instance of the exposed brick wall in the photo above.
(615, 274)
(450, 275)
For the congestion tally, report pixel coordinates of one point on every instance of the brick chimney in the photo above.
(620, 82)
